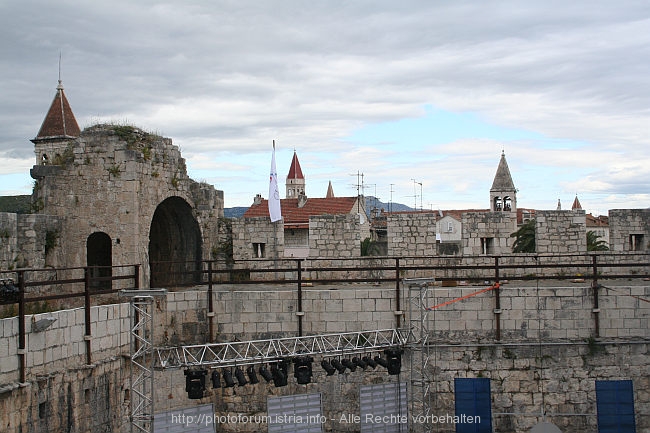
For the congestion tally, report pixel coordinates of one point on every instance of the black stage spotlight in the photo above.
(266, 374)
(327, 367)
(349, 364)
(302, 370)
(359, 363)
(216, 380)
(279, 372)
(381, 361)
(195, 383)
(369, 361)
(227, 378)
(241, 379)
(252, 377)
(337, 364)
(394, 358)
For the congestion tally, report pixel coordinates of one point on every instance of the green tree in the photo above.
(525, 238)
(594, 243)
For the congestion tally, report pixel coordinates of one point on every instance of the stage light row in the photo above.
(277, 372)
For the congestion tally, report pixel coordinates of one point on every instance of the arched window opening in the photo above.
(507, 204)
(99, 259)
(498, 204)
(174, 245)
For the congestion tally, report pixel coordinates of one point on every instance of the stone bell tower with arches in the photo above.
(503, 194)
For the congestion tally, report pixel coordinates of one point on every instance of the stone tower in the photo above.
(503, 194)
(51, 144)
(295, 179)
(123, 197)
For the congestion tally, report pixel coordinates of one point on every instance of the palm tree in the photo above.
(525, 238)
(594, 243)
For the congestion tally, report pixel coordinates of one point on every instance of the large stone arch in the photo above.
(174, 244)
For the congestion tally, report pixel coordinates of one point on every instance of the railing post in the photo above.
(22, 350)
(210, 304)
(594, 287)
(497, 300)
(87, 336)
(299, 311)
(136, 276)
(398, 306)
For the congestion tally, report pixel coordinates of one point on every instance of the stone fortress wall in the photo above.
(556, 320)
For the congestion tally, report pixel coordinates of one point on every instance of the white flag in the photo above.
(274, 194)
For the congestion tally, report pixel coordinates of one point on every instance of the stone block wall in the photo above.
(557, 365)
(488, 232)
(246, 232)
(560, 232)
(269, 312)
(8, 240)
(412, 234)
(629, 230)
(527, 380)
(29, 240)
(62, 344)
(337, 235)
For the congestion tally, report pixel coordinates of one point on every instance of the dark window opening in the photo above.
(636, 242)
(258, 250)
(99, 259)
(487, 245)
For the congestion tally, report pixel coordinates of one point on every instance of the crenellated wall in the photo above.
(412, 234)
(629, 229)
(337, 236)
(560, 232)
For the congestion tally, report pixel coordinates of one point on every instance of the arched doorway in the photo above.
(174, 244)
(99, 259)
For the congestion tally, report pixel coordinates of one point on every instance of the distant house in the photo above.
(310, 227)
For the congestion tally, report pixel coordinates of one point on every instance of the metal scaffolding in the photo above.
(418, 292)
(260, 351)
(142, 357)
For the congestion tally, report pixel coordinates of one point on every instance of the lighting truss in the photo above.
(419, 291)
(142, 357)
(260, 351)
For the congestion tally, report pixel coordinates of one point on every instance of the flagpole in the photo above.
(275, 233)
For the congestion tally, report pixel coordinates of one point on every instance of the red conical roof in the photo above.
(59, 121)
(576, 204)
(330, 191)
(295, 172)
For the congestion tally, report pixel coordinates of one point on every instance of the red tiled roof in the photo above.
(597, 221)
(295, 216)
(295, 172)
(59, 121)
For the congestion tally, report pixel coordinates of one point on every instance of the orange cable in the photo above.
(495, 286)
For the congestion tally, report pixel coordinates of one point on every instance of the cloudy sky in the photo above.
(405, 92)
